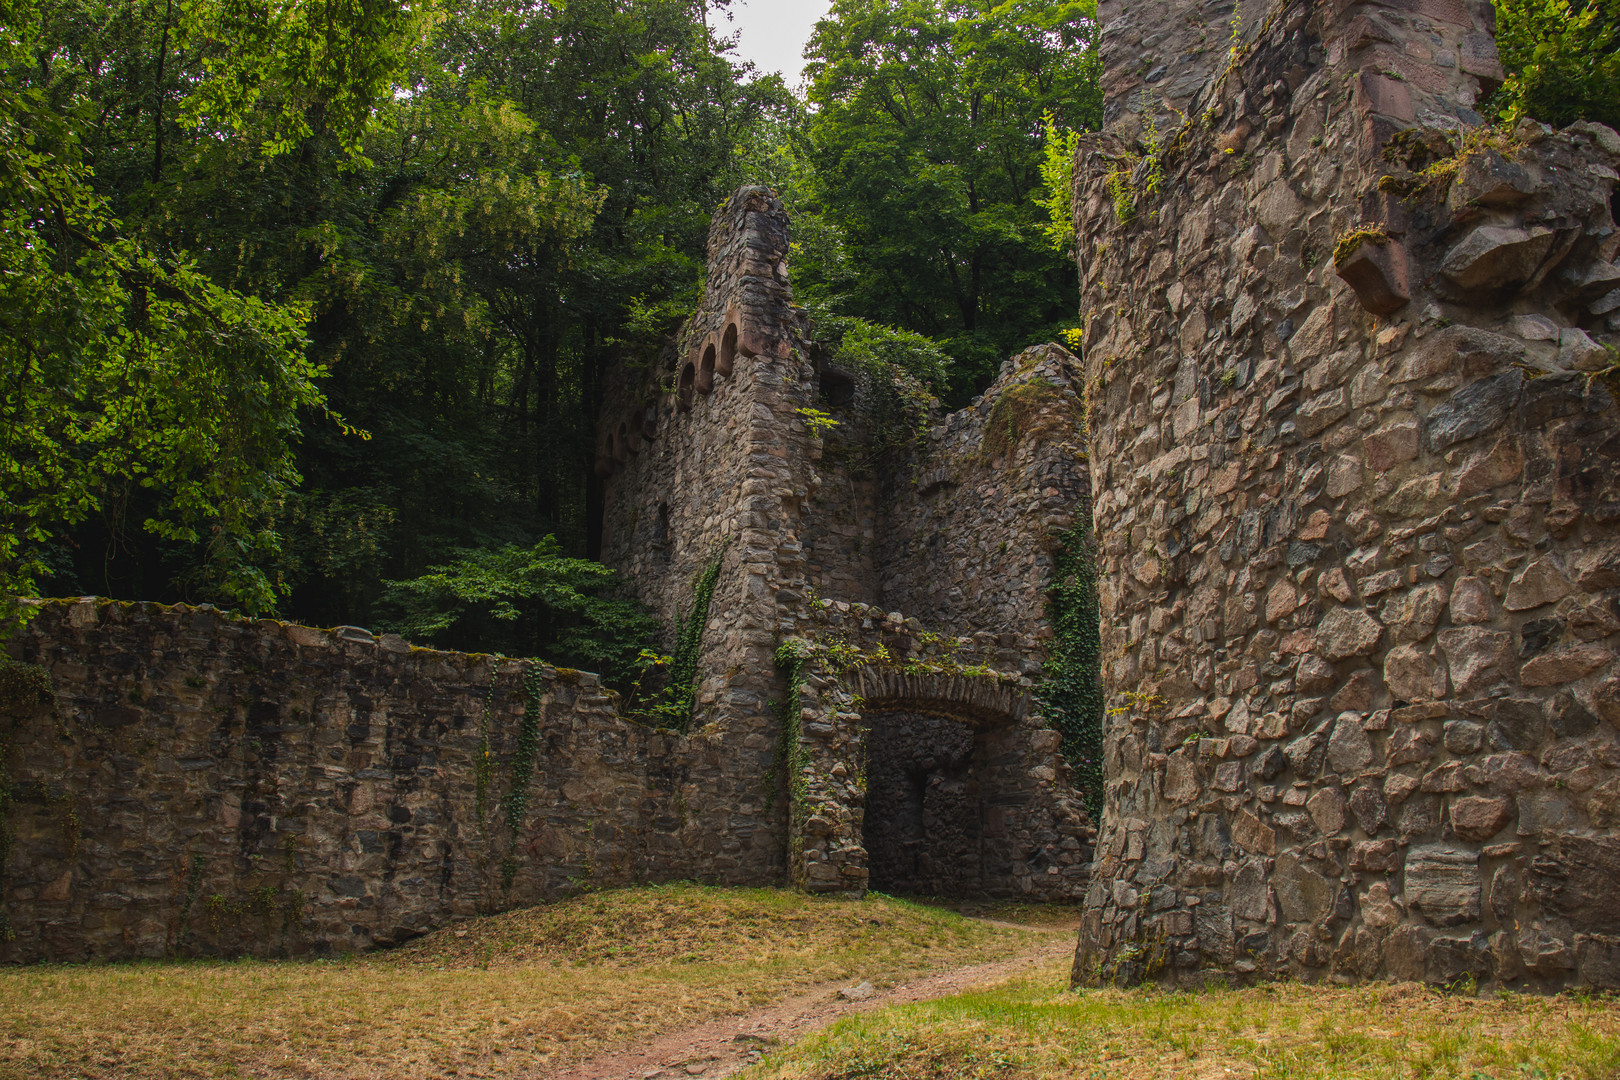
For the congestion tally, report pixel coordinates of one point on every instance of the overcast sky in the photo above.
(772, 33)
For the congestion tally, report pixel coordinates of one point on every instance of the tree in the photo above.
(473, 214)
(1562, 59)
(927, 141)
(123, 368)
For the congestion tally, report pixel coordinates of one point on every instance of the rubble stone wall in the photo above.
(1354, 444)
(859, 668)
(969, 528)
(216, 785)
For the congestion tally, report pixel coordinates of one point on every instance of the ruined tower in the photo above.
(878, 621)
(1351, 363)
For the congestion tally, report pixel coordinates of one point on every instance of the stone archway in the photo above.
(935, 752)
(962, 797)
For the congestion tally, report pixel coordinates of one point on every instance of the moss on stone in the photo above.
(22, 685)
(1351, 242)
(1031, 408)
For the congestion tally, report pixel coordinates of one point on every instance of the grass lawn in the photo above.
(1033, 1028)
(498, 996)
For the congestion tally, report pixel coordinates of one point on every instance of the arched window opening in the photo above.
(728, 352)
(705, 375)
(837, 389)
(683, 390)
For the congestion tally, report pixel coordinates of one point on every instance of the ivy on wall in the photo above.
(793, 658)
(528, 749)
(680, 698)
(1071, 694)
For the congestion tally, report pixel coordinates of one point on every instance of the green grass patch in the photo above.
(1032, 1028)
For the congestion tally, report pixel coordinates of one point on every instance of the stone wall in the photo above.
(860, 670)
(218, 785)
(1354, 451)
(827, 538)
(970, 527)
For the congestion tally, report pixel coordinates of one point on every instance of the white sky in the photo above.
(772, 33)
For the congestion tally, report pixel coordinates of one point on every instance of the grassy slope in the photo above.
(1032, 1028)
(491, 997)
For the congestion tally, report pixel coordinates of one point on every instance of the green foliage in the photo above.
(674, 707)
(524, 601)
(1070, 692)
(1562, 59)
(279, 73)
(1057, 183)
(793, 660)
(528, 749)
(129, 376)
(926, 147)
(461, 220)
(816, 421)
(902, 372)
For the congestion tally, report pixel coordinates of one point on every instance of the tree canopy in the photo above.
(305, 305)
(926, 142)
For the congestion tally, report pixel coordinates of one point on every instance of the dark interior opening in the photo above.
(939, 792)
(837, 389)
(728, 351)
(683, 391)
(705, 375)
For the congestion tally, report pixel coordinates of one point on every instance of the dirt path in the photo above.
(722, 1047)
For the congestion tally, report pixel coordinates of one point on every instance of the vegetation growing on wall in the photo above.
(523, 760)
(524, 601)
(1071, 693)
(793, 658)
(674, 708)
(901, 373)
(1036, 408)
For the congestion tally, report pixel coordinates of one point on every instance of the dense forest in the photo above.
(306, 307)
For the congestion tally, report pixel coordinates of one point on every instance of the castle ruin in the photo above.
(1348, 380)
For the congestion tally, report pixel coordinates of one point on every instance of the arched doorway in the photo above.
(951, 805)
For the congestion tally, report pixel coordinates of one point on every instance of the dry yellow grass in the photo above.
(1032, 1028)
(491, 997)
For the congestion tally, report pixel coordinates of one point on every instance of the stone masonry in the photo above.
(1351, 362)
(208, 784)
(931, 569)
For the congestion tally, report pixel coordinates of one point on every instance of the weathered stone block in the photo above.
(1477, 658)
(1444, 884)
(1479, 818)
(1477, 408)
(1378, 274)
(1493, 257)
(1346, 632)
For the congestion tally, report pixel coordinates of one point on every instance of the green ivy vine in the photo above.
(680, 698)
(793, 658)
(528, 750)
(1070, 694)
